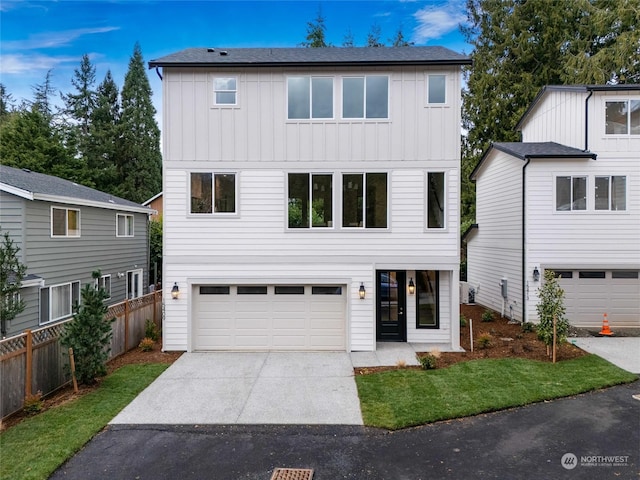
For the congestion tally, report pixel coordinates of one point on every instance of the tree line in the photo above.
(101, 137)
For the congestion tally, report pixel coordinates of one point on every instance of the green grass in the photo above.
(37, 446)
(404, 398)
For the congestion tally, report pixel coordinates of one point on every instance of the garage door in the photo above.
(591, 293)
(269, 317)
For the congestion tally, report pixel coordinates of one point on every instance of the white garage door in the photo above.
(591, 293)
(269, 317)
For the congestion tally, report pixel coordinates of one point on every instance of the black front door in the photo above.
(391, 303)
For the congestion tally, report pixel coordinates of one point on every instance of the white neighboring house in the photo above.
(311, 197)
(566, 198)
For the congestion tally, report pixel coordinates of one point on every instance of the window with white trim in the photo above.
(622, 117)
(57, 301)
(65, 222)
(225, 90)
(435, 200)
(571, 193)
(104, 283)
(364, 200)
(124, 225)
(436, 89)
(611, 193)
(309, 98)
(365, 97)
(310, 200)
(212, 193)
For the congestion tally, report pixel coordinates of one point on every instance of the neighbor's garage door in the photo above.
(269, 317)
(591, 293)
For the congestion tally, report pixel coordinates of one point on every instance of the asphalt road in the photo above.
(597, 434)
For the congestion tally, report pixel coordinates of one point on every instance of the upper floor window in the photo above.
(364, 200)
(435, 200)
(310, 200)
(225, 89)
(57, 301)
(124, 225)
(611, 193)
(571, 193)
(213, 192)
(365, 97)
(436, 89)
(309, 97)
(65, 222)
(622, 117)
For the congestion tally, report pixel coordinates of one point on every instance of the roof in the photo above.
(300, 56)
(38, 186)
(469, 231)
(148, 202)
(531, 150)
(621, 87)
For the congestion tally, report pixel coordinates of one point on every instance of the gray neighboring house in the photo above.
(65, 231)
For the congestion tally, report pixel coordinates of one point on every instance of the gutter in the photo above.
(524, 231)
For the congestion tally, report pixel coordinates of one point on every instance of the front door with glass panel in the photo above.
(391, 306)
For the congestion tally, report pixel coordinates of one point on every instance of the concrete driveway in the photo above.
(250, 388)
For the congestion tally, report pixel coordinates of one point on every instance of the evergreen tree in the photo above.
(399, 41)
(42, 94)
(373, 37)
(348, 40)
(11, 274)
(89, 334)
(6, 102)
(139, 157)
(316, 32)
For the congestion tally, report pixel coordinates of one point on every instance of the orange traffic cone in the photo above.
(605, 326)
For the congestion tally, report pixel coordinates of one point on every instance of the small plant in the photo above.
(151, 330)
(487, 316)
(528, 327)
(33, 403)
(401, 363)
(428, 361)
(463, 320)
(485, 340)
(146, 344)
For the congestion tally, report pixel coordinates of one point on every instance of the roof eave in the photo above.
(367, 63)
(16, 191)
(90, 203)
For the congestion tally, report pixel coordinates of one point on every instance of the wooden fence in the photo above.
(35, 361)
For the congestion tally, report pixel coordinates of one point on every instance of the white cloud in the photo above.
(53, 39)
(12, 64)
(436, 21)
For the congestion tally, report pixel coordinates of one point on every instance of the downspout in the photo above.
(586, 121)
(524, 231)
(158, 73)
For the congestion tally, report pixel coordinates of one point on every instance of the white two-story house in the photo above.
(566, 198)
(311, 197)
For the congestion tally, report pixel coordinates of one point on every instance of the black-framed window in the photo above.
(364, 200)
(289, 289)
(435, 200)
(427, 299)
(563, 274)
(252, 290)
(214, 290)
(327, 290)
(213, 192)
(310, 200)
(626, 274)
(591, 274)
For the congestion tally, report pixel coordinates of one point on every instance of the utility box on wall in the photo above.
(503, 288)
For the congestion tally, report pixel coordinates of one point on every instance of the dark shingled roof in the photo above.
(47, 185)
(530, 150)
(264, 57)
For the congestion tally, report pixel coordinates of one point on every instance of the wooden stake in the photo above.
(72, 363)
(555, 318)
(471, 333)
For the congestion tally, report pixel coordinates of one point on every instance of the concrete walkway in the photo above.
(250, 388)
(621, 351)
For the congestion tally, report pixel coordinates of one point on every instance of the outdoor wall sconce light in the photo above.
(175, 291)
(412, 286)
(536, 274)
(361, 291)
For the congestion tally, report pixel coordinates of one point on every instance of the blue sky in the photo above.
(36, 36)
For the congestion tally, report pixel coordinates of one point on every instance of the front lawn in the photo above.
(37, 446)
(403, 398)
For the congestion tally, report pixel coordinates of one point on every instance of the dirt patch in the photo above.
(66, 394)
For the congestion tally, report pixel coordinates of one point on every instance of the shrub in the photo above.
(550, 305)
(33, 403)
(487, 316)
(528, 327)
(485, 340)
(428, 361)
(463, 320)
(151, 330)
(146, 344)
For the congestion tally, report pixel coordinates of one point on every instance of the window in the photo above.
(57, 301)
(622, 117)
(328, 290)
(626, 274)
(104, 282)
(65, 222)
(571, 193)
(289, 290)
(365, 97)
(611, 193)
(214, 290)
(436, 89)
(213, 192)
(309, 97)
(563, 274)
(253, 290)
(591, 274)
(225, 89)
(134, 283)
(364, 200)
(435, 200)
(124, 225)
(427, 292)
(310, 201)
